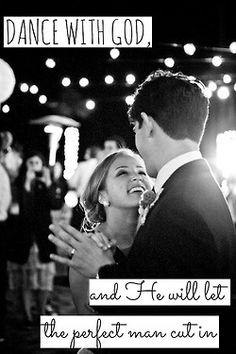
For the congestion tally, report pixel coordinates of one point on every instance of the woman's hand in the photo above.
(29, 176)
(83, 253)
(102, 241)
(46, 176)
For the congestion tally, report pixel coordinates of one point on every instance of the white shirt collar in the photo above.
(171, 166)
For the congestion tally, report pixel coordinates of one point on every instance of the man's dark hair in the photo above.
(177, 102)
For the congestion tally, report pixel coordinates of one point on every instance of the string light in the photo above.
(189, 48)
(212, 86)
(169, 62)
(114, 53)
(50, 63)
(129, 100)
(202, 48)
(5, 108)
(66, 81)
(24, 87)
(223, 92)
(83, 82)
(232, 47)
(217, 60)
(130, 79)
(90, 104)
(227, 78)
(109, 79)
(42, 99)
(34, 89)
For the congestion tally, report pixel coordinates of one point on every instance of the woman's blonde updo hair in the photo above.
(94, 210)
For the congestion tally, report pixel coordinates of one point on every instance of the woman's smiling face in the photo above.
(126, 180)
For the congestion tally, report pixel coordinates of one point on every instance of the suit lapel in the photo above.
(196, 167)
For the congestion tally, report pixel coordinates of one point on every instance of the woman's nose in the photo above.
(136, 177)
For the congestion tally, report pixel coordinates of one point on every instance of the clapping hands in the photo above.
(86, 253)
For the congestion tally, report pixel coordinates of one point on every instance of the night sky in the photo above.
(209, 28)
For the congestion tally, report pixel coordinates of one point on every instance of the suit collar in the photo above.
(171, 166)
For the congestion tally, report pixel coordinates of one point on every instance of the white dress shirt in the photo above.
(171, 166)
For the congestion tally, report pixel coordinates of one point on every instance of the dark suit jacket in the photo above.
(189, 233)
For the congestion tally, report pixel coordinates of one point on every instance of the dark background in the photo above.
(209, 25)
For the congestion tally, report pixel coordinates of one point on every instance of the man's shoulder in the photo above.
(192, 179)
(190, 192)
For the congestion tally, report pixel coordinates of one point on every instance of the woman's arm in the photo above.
(79, 286)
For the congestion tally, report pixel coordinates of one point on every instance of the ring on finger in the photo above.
(72, 252)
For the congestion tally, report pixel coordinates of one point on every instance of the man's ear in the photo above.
(147, 122)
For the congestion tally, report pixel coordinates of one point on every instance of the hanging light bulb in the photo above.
(216, 60)
(109, 79)
(129, 100)
(83, 82)
(223, 92)
(227, 78)
(5, 108)
(66, 81)
(34, 89)
(24, 87)
(42, 99)
(114, 53)
(189, 48)
(232, 47)
(130, 79)
(90, 104)
(212, 86)
(169, 62)
(50, 63)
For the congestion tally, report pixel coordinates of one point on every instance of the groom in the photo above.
(189, 232)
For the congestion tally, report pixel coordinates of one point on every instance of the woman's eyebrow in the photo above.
(121, 167)
(128, 167)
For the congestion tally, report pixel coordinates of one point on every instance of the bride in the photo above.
(110, 203)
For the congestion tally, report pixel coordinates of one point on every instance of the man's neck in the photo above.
(175, 150)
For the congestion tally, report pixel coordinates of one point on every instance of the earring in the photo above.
(105, 203)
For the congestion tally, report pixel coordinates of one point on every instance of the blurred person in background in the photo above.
(84, 169)
(17, 238)
(58, 189)
(37, 270)
(6, 139)
(229, 191)
(80, 178)
(113, 143)
(13, 163)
